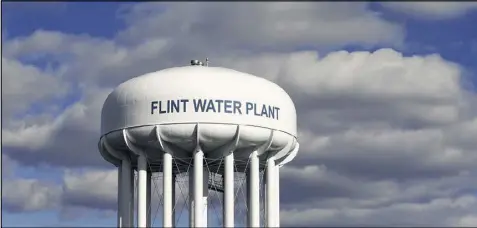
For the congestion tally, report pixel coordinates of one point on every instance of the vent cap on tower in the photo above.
(196, 62)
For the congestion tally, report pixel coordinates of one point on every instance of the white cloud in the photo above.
(69, 139)
(463, 135)
(29, 195)
(389, 153)
(437, 212)
(433, 10)
(342, 87)
(24, 85)
(154, 30)
(91, 189)
(328, 198)
(386, 139)
(467, 221)
(368, 137)
(383, 87)
(266, 25)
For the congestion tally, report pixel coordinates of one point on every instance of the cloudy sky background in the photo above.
(385, 95)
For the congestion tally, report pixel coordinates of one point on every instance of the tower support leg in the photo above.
(253, 191)
(129, 193)
(142, 192)
(121, 200)
(198, 191)
(198, 188)
(229, 191)
(125, 203)
(277, 195)
(173, 200)
(205, 195)
(191, 199)
(149, 189)
(167, 191)
(270, 193)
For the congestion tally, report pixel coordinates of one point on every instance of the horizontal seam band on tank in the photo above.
(153, 125)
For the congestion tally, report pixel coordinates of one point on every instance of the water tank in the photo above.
(198, 116)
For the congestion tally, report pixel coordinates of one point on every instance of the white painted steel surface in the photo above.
(198, 113)
(142, 192)
(253, 191)
(131, 103)
(168, 184)
(277, 196)
(229, 191)
(270, 193)
(198, 187)
(148, 199)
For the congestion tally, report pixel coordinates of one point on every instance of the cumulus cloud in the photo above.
(467, 221)
(70, 139)
(77, 190)
(370, 140)
(432, 10)
(24, 85)
(95, 65)
(154, 31)
(91, 189)
(20, 195)
(437, 212)
(267, 25)
(399, 90)
(386, 139)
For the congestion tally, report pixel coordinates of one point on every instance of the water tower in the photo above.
(211, 123)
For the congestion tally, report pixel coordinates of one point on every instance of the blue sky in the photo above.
(454, 39)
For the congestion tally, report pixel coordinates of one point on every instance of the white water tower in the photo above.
(212, 124)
